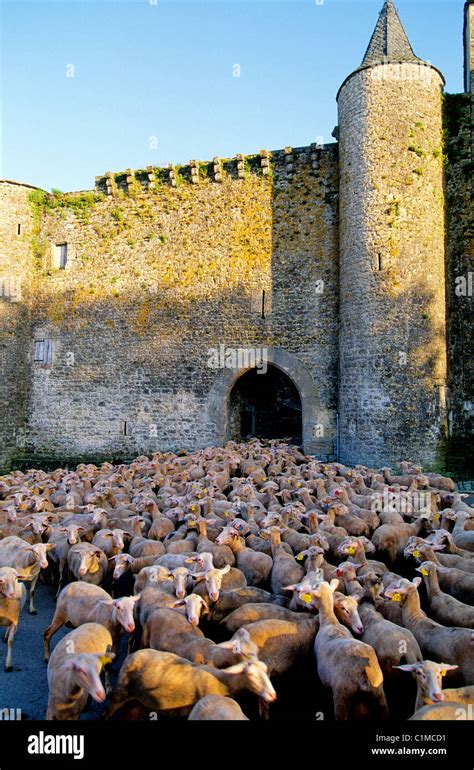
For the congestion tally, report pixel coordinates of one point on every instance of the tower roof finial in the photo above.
(389, 41)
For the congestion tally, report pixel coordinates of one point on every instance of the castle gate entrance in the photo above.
(235, 403)
(266, 405)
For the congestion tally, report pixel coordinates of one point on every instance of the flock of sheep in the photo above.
(235, 570)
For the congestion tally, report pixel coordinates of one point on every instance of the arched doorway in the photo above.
(265, 405)
(313, 413)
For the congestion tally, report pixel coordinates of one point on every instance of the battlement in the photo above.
(280, 163)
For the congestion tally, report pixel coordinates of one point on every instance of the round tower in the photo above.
(392, 272)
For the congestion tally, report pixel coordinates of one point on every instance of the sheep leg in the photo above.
(58, 620)
(5, 636)
(32, 594)
(11, 636)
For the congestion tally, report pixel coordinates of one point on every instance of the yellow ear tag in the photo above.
(351, 551)
(424, 571)
(306, 598)
(299, 484)
(193, 507)
(300, 557)
(396, 598)
(436, 516)
(416, 554)
(443, 673)
(191, 524)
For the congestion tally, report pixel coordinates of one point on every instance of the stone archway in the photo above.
(318, 429)
(265, 405)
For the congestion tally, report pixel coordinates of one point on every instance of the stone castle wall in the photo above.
(460, 271)
(158, 274)
(17, 230)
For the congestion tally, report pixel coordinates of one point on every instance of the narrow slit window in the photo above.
(61, 255)
(123, 428)
(263, 303)
(18, 229)
(379, 262)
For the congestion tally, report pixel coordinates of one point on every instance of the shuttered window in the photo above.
(44, 352)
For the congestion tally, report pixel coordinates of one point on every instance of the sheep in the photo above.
(348, 666)
(252, 612)
(450, 644)
(160, 527)
(285, 568)
(235, 598)
(456, 582)
(63, 538)
(12, 600)
(462, 537)
(255, 566)
(442, 607)
(390, 540)
(221, 554)
(356, 548)
(26, 559)
(442, 711)
(156, 577)
(123, 563)
(429, 678)
(450, 560)
(282, 644)
(227, 579)
(216, 708)
(142, 546)
(165, 683)
(443, 537)
(110, 541)
(80, 603)
(194, 606)
(74, 671)
(88, 563)
(167, 630)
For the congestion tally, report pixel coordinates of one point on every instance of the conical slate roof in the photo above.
(389, 42)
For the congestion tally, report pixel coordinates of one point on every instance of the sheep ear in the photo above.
(416, 581)
(136, 598)
(333, 584)
(408, 667)
(437, 547)
(447, 667)
(225, 569)
(179, 603)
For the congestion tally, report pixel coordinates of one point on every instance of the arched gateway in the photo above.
(238, 404)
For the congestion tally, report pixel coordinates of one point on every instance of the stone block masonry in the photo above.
(350, 264)
(156, 275)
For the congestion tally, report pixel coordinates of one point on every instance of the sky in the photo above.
(90, 86)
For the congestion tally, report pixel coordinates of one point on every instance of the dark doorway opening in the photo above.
(265, 405)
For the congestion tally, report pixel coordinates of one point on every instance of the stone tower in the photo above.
(392, 345)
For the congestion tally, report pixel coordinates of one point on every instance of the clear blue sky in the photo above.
(166, 70)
